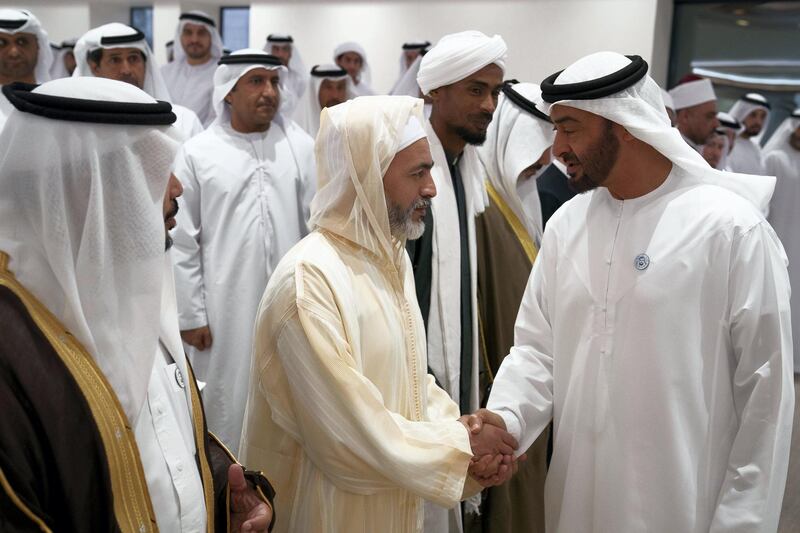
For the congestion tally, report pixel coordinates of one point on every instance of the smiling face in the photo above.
(466, 107)
(254, 100)
(408, 187)
(587, 144)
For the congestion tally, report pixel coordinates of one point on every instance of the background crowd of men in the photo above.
(379, 299)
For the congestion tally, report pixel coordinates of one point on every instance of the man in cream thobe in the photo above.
(245, 204)
(342, 412)
(655, 328)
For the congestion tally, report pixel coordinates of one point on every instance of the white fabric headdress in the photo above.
(365, 76)
(81, 217)
(746, 105)
(58, 69)
(412, 132)
(780, 137)
(226, 76)
(307, 115)
(357, 141)
(31, 24)
(668, 103)
(94, 39)
(457, 56)
(640, 110)
(515, 140)
(407, 84)
(297, 75)
(202, 19)
(692, 93)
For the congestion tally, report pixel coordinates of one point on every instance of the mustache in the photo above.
(570, 158)
(422, 202)
(173, 210)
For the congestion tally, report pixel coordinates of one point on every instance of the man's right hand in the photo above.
(200, 338)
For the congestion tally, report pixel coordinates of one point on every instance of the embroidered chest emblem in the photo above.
(641, 262)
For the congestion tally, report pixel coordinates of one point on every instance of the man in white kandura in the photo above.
(329, 85)
(342, 413)
(352, 57)
(190, 75)
(752, 111)
(121, 53)
(283, 47)
(248, 181)
(782, 160)
(25, 53)
(655, 328)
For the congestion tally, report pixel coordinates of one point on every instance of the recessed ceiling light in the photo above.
(742, 22)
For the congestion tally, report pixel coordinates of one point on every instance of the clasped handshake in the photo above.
(493, 461)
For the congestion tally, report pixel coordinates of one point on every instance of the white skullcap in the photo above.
(692, 93)
(457, 56)
(668, 103)
(412, 132)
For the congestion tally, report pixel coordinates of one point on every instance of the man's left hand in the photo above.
(248, 511)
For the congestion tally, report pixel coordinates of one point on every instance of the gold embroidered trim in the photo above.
(516, 226)
(132, 507)
(199, 437)
(15, 499)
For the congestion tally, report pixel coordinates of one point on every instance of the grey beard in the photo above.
(401, 224)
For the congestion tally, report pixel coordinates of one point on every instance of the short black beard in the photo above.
(597, 162)
(171, 214)
(475, 139)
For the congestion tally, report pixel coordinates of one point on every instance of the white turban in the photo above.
(226, 76)
(30, 24)
(640, 110)
(692, 93)
(457, 56)
(92, 40)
